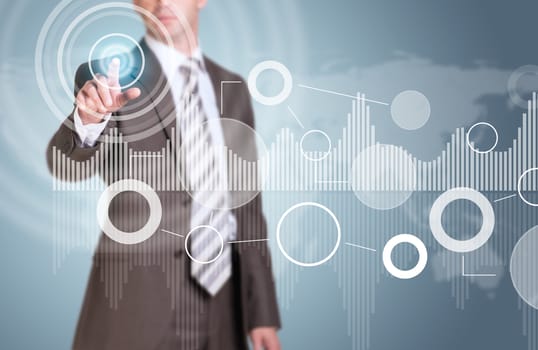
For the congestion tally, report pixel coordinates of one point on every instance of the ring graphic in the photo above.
(128, 38)
(488, 220)
(143, 233)
(253, 78)
(54, 45)
(422, 256)
(513, 82)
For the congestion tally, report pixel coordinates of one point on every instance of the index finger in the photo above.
(113, 73)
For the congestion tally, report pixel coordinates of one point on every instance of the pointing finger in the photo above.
(114, 72)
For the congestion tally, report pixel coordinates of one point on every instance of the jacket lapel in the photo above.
(216, 81)
(156, 91)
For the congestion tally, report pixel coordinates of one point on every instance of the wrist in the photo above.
(90, 118)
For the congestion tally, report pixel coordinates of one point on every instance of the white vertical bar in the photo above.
(496, 170)
(456, 158)
(482, 172)
(512, 165)
(443, 170)
(533, 138)
(517, 157)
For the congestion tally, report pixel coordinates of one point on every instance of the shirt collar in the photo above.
(170, 58)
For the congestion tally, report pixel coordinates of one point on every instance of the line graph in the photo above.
(286, 167)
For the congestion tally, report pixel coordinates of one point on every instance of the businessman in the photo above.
(216, 306)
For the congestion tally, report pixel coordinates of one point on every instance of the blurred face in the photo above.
(167, 13)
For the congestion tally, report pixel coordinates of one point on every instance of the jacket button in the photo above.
(178, 254)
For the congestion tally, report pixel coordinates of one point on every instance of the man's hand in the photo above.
(103, 95)
(265, 338)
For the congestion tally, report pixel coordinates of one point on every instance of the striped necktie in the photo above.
(203, 176)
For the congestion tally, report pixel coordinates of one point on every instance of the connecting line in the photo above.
(341, 94)
(295, 116)
(245, 241)
(250, 240)
(360, 246)
(503, 198)
(146, 155)
(331, 182)
(473, 274)
(172, 233)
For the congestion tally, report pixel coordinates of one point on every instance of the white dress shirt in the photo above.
(89, 133)
(170, 60)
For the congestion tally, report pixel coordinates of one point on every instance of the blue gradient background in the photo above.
(458, 53)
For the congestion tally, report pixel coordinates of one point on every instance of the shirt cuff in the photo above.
(89, 133)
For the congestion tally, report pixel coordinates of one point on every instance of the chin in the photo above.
(166, 28)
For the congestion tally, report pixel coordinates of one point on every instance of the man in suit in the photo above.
(151, 295)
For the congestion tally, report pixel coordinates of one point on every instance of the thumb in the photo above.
(127, 96)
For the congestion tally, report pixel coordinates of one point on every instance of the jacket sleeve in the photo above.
(65, 138)
(261, 301)
(257, 275)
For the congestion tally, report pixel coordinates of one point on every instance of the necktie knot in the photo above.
(192, 66)
(190, 70)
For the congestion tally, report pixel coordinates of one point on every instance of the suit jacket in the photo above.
(129, 297)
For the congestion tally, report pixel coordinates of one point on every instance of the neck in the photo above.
(179, 42)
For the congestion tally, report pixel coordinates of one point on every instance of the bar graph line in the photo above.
(285, 166)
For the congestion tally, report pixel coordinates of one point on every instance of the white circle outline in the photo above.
(40, 76)
(121, 35)
(95, 9)
(75, 33)
(422, 256)
(311, 204)
(456, 245)
(155, 210)
(519, 181)
(253, 78)
(492, 147)
(325, 155)
(211, 228)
